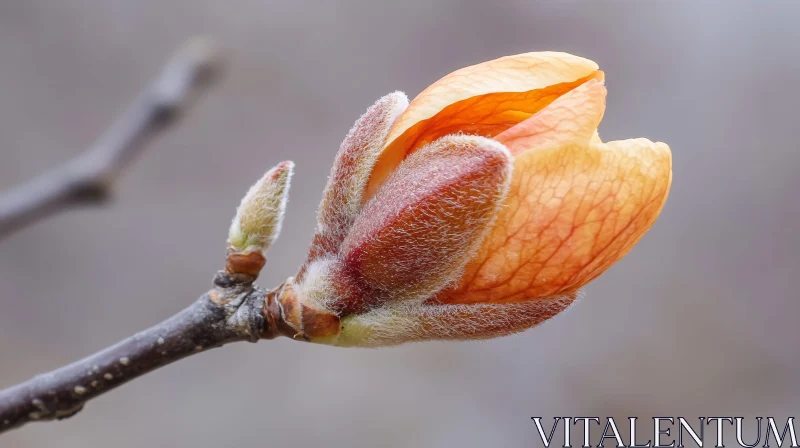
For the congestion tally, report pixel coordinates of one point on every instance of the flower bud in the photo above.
(426, 233)
(258, 220)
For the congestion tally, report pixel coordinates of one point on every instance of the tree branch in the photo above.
(235, 310)
(88, 178)
(231, 312)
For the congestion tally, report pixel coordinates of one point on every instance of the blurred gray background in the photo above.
(699, 319)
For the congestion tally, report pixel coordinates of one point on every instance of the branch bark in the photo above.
(235, 310)
(231, 312)
(88, 178)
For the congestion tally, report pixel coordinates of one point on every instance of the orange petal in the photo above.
(484, 99)
(572, 118)
(572, 212)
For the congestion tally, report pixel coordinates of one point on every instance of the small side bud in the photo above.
(258, 221)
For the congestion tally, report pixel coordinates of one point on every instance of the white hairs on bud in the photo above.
(344, 194)
(315, 286)
(259, 217)
(403, 322)
(428, 220)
